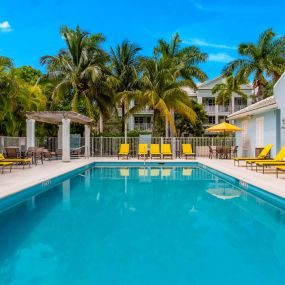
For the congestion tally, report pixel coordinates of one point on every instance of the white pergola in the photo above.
(63, 120)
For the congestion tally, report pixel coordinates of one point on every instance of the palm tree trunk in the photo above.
(123, 117)
(154, 122)
(101, 125)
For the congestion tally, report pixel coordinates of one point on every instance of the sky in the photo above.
(30, 29)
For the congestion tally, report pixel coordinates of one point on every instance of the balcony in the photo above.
(146, 110)
(239, 107)
(142, 126)
(210, 108)
(223, 109)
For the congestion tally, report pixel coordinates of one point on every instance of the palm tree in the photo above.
(186, 59)
(77, 68)
(226, 90)
(125, 63)
(262, 60)
(161, 89)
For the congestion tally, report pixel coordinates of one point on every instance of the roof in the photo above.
(55, 117)
(259, 107)
(190, 91)
(209, 84)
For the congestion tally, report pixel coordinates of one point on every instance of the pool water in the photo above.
(159, 225)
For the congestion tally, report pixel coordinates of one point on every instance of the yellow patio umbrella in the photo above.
(223, 128)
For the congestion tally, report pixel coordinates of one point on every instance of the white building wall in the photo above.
(279, 94)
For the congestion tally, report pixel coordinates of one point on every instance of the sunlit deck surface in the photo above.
(21, 179)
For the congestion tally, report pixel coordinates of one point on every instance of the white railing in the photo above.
(109, 146)
(210, 109)
(239, 107)
(142, 126)
(223, 109)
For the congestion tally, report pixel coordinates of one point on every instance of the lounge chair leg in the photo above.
(276, 172)
(263, 169)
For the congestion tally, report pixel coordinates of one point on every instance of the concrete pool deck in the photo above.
(21, 179)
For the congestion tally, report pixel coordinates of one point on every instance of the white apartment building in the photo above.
(142, 120)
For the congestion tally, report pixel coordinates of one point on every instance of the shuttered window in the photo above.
(259, 128)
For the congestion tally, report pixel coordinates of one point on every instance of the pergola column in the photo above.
(59, 137)
(30, 132)
(65, 140)
(87, 140)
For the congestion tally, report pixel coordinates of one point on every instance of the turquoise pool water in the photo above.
(158, 225)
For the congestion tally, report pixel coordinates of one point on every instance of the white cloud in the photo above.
(220, 57)
(5, 27)
(197, 5)
(203, 43)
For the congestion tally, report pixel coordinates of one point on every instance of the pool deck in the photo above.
(21, 179)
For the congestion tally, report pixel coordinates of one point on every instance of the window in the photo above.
(212, 120)
(211, 102)
(259, 132)
(139, 120)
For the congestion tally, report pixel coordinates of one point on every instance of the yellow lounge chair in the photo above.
(5, 164)
(23, 161)
(143, 150)
(277, 161)
(279, 168)
(188, 151)
(166, 150)
(124, 150)
(261, 156)
(154, 150)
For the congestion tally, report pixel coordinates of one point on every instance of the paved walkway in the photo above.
(21, 179)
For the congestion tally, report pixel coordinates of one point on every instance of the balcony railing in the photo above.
(239, 107)
(223, 109)
(210, 109)
(143, 126)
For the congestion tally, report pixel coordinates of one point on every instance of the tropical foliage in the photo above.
(111, 85)
(264, 61)
(18, 94)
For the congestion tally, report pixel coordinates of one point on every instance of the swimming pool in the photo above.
(130, 224)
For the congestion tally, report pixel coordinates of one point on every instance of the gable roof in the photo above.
(209, 84)
(262, 106)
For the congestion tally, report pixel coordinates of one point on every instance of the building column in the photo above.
(233, 105)
(131, 123)
(216, 114)
(200, 100)
(59, 137)
(87, 140)
(65, 140)
(30, 133)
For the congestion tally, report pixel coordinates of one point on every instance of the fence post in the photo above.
(174, 146)
(101, 146)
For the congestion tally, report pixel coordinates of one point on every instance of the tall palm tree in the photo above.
(186, 59)
(125, 63)
(262, 60)
(77, 67)
(161, 89)
(226, 90)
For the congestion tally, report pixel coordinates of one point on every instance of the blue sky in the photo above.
(30, 29)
